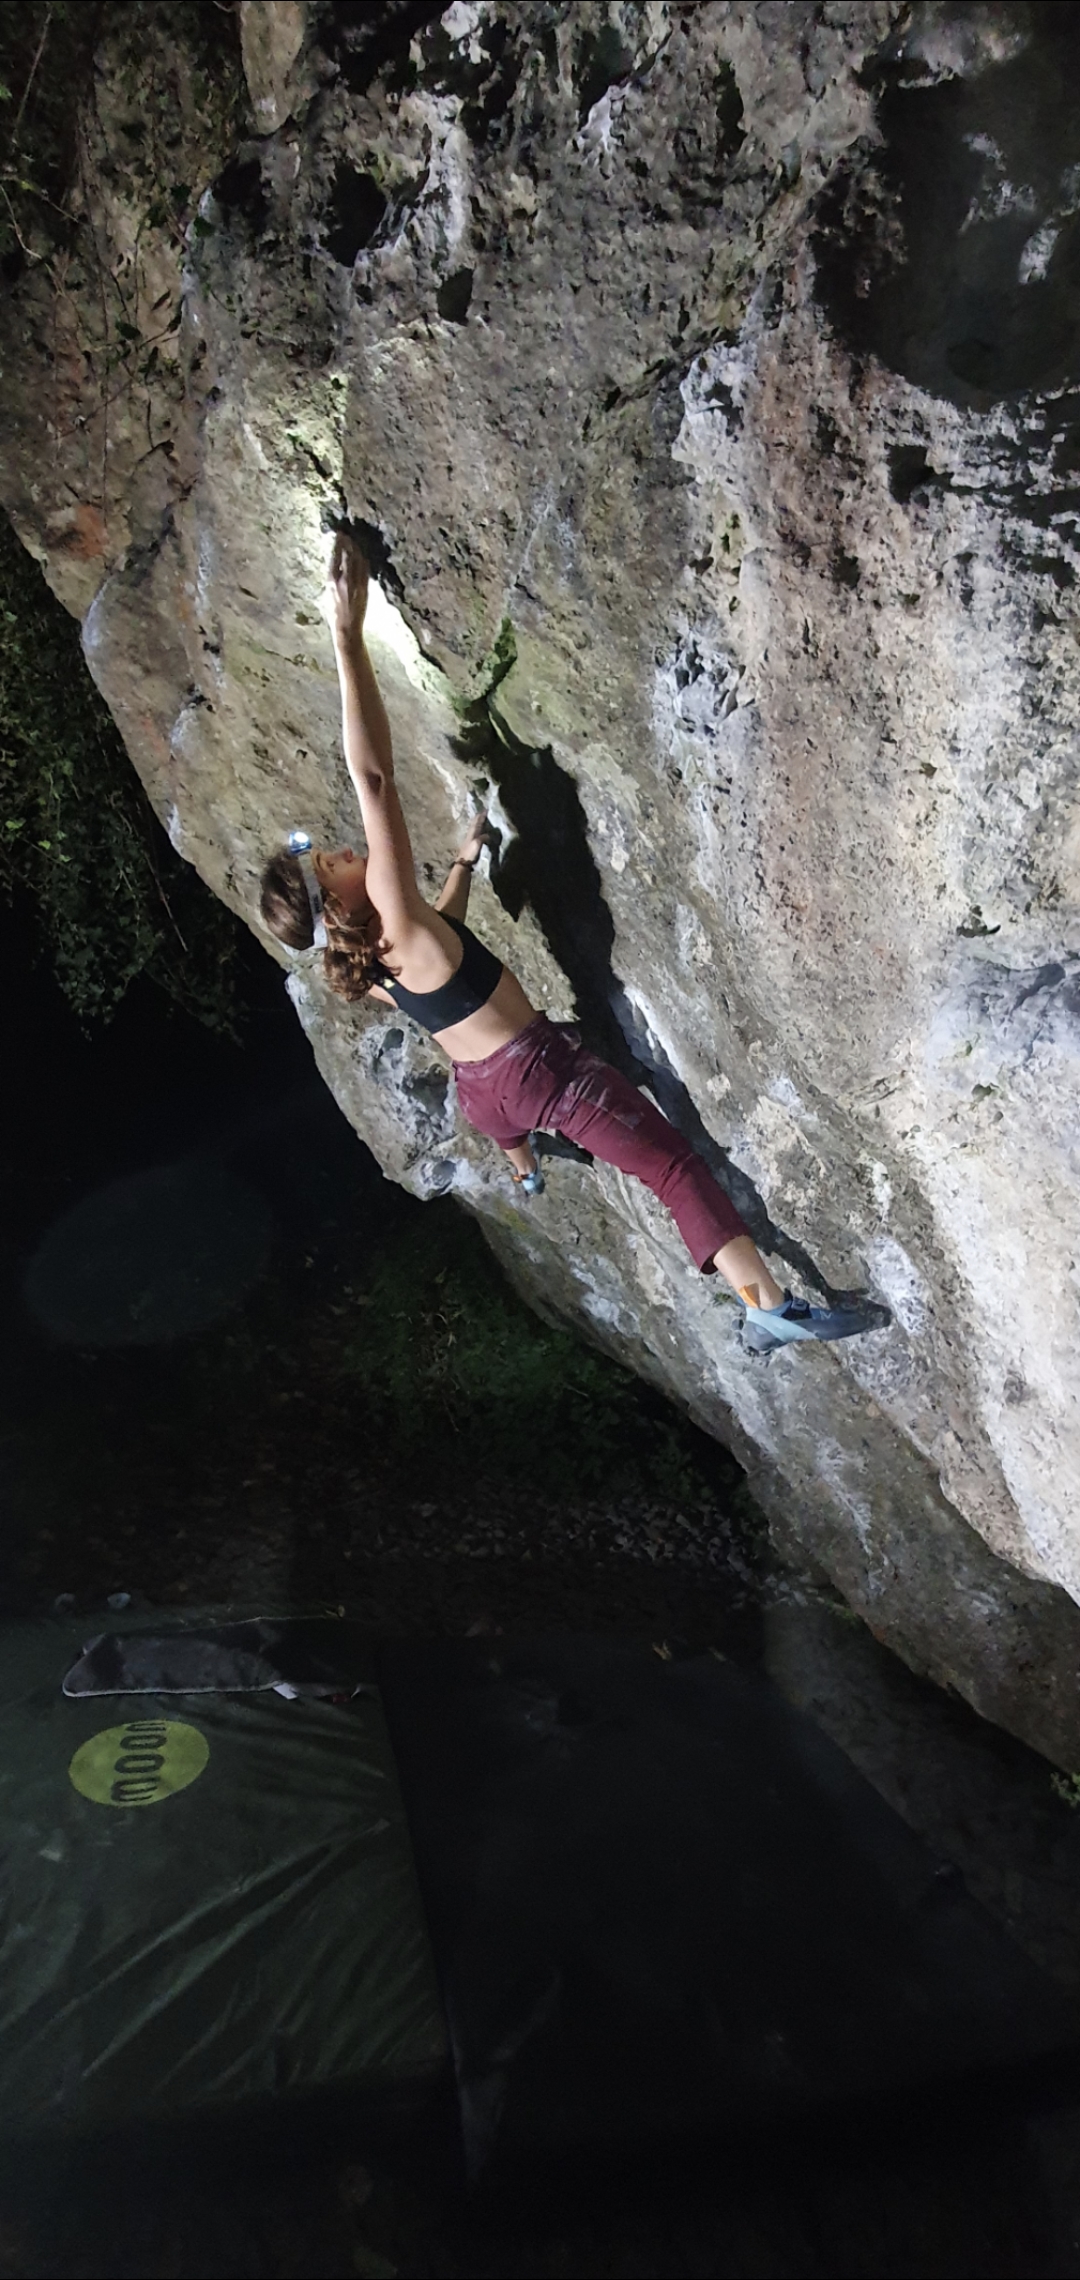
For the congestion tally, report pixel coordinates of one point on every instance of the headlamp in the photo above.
(299, 843)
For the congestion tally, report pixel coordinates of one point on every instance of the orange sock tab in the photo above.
(750, 1294)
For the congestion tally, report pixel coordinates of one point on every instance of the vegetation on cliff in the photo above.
(107, 896)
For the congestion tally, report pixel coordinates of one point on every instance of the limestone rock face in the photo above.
(711, 376)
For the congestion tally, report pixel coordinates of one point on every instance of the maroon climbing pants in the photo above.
(546, 1080)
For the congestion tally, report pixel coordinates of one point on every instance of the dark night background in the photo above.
(240, 1466)
(256, 1452)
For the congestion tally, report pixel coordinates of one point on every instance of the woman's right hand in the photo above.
(346, 588)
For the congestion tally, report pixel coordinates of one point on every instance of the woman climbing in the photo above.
(517, 1072)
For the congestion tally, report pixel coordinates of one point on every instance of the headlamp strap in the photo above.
(314, 896)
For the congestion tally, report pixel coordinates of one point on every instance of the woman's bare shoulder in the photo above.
(424, 951)
(423, 924)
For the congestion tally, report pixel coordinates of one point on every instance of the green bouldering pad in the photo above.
(210, 1902)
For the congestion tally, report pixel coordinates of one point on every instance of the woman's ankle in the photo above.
(741, 1264)
(765, 1297)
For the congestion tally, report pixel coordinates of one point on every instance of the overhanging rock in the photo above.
(723, 454)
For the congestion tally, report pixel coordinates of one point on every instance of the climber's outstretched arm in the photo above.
(368, 752)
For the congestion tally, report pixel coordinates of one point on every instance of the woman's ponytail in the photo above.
(349, 959)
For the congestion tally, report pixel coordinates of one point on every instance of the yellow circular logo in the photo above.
(140, 1763)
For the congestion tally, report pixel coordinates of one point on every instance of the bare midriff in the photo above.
(493, 1025)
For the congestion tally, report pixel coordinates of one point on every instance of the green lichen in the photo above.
(473, 711)
(501, 656)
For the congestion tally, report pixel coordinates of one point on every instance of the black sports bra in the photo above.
(476, 980)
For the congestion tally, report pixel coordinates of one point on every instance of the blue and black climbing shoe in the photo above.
(767, 1327)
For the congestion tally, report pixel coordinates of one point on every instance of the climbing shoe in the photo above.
(766, 1328)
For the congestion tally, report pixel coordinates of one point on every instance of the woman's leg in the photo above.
(481, 1086)
(741, 1264)
(603, 1112)
(739, 1261)
(606, 1114)
(521, 1156)
(549, 1082)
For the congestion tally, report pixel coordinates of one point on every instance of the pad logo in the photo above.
(140, 1763)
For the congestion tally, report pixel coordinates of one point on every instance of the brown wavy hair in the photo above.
(349, 959)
